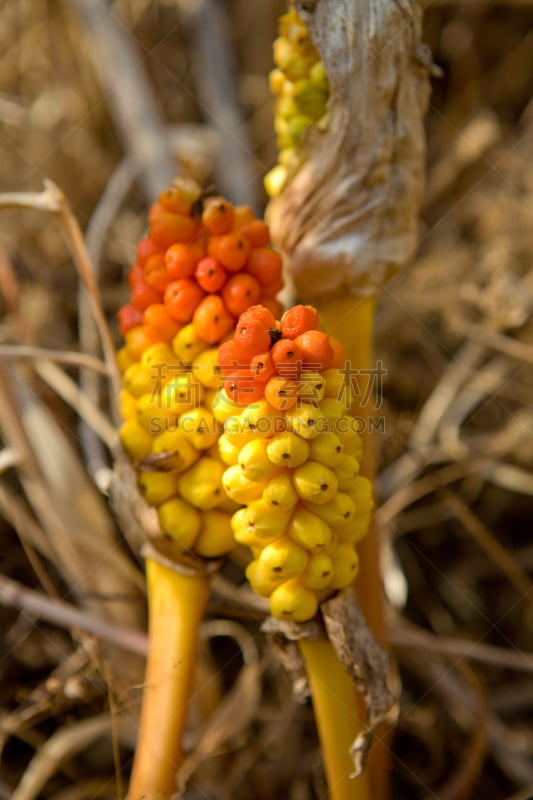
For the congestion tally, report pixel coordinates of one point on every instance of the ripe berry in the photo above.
(287, 357)
(144, 295)
(298, 320)
(166, 229)
(251, 339)
(231, 250)
(264, 265)
(159, 326)
(210, 274)
(317, 352)
(281, 393)
(263, 366)
(212, 320)
(181, 299)
(259, 313)
(155, 272)
(129, 317)
(181, 259)
(218, 216)
(240, 292)
(257, 233)
(145, 249)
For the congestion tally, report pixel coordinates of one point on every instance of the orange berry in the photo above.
(218, 215)
(144, 295)
(159, 326)
(243, 215)
(181, 259)
(212, 320)
(155, 272)
(339, 352)
(180, 196)
(240, 292)
(287, 357)
(264, 265)
(251, 339)
(145, 249)
(228, 359)
(136, 342)
(273, 305)
(210, 274)
(135, 274)
(129, 317)
(316, 349)
(282, 393)
(273, 290)
(243, 387)
(181, 299)
(231, 250)
(257, 233)
(166, 229)
(263, 366)
(299, 319)
(259, 313)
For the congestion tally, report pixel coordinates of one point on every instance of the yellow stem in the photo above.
(335, 705)
(351, 319)
(176, 607)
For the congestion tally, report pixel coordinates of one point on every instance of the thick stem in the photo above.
(351, 319)
(338, 718)
(176, 607)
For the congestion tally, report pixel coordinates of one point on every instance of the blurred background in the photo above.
(108, 100)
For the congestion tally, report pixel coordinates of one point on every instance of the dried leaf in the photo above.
(365, 660)
(348, 217)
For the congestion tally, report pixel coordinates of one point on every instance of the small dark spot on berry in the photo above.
(277, 569)
(338, 449)
(285, 455)
(323, 487)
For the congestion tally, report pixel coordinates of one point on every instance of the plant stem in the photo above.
(176, 607)
(335, 705)
(351, 319)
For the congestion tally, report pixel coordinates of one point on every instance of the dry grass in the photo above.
(456, 479)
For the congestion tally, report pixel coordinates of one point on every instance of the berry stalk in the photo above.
(176, 608)
(336, 710)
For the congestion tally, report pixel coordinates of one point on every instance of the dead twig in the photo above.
(38, 606)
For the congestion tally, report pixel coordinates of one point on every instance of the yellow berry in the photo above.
(201, 427)
(309, 531)
(157, 487)
(287, 450)
(293, 602)
(216, 536)
(283, 558)
(128, 405)
(264, 522)
(326, 449)
(345, 567)
(229, 452)
(224, 407)
(174, 443)
(306, 421)
(135, 439)
(318, 572)
(137, 380)
(261, 583)
(186, 345)
(181, 394)
(152, 416)
(124, 360)
(180, 521)
(346, 471)
(201, 486)
(314, 482)
(340, 510)
(279, 492)
(206, 370)
(159, 358)
(254, 461)
(239, 488)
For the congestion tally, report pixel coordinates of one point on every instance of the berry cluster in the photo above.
(293, 458)
(203, 262)
(300, 84)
